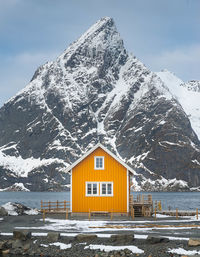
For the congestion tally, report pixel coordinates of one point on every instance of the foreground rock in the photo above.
(85, 237)
(122, 238)
(156, 240)
(3, 212)
(194, 242)
(23, 244)
(53, 236)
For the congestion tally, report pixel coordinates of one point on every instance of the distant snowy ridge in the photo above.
(188, 95)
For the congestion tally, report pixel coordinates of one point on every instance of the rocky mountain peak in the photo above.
(96, 91)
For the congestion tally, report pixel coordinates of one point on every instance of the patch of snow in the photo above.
(108, 248)
(10, 209)
(182, 251)
(32, 212)
(21, 167)
(61, 245)
(16, 187)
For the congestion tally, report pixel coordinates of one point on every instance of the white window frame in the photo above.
(102, 168)
(106, 182)
(86, 187)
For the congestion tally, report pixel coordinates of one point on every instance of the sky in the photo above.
(163, 34)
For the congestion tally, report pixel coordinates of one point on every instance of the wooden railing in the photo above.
(140, 199)
(55, 206)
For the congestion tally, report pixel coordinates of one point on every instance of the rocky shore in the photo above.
(22, 243)
(22, 234)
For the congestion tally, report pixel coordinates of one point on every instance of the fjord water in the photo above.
(170, 200)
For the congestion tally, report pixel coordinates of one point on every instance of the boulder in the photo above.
(53, 236)
(122, 238)
(85, 237)
(194, 242)
(21, 235)
(156, 240)
(20, 208)
(3, 212)
(25, 245)
(4, 245)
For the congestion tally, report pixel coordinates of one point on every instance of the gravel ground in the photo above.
(150, 248)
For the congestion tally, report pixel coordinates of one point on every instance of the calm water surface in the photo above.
(172, 200)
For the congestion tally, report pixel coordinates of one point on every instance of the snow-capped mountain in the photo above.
(96, 91)
(188, 95)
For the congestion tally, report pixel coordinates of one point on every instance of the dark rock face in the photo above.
(3, 212)
(96, 91)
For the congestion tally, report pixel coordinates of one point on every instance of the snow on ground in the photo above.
(108, 248)
(31, 212)
(61, 245)
(86, 226)
(182, 251)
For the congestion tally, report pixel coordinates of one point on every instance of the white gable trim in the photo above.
(107, 151)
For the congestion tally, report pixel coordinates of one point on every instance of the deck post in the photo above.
(49, 206)
(57, 205)
(197, 213)
(65, 205)
(66, 214)
(43, 216)
(155, 212)
(41, 205)
(133, 213)
(89, 214)
(111, 215)
(176, 213)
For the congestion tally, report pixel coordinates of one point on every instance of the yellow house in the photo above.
(100, 182)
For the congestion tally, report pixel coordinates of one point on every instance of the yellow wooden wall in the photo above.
(113, 172)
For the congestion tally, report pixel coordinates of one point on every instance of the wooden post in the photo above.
(159, 206)
(142, 210)
(65, 205)
(176, 213)
(89, 215)
(43, 216)
(41, 205)
(142, 198)
(57, 205)
(133, 213)
(111, 215)
(155, 213)
(49, 206)
(197, 213)
(66, 214)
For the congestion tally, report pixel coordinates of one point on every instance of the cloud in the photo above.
(184, 62)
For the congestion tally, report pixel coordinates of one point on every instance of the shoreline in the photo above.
(176, 235)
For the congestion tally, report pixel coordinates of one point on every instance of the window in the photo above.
(92, 188)
(99, 189)
(99, 163)
(106, 188)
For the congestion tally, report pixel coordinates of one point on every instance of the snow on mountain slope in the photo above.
(96, 92)
(188, 95)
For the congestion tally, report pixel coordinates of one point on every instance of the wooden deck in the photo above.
(142, 206)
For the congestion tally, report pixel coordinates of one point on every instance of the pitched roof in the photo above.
(106, 150)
